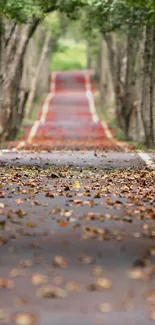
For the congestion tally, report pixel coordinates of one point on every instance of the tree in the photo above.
(122, 24)
(19, 21)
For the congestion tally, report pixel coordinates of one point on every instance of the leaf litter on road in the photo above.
(98, 205)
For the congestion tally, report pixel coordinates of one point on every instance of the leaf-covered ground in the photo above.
(76, 240)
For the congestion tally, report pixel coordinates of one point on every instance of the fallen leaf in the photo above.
(103, 283)
(77, 185)
(60, 262)
(86, 259)
(54, 175)
(135, 273)
(2, 224)
(21, 213)
(39, 279)
(19, 201)
(63, 224)
(152, 315)
(152, 251)
(30, 225)
(6, 283)
(51, 292)
(50, 194)
(25, 319)
(2, 205)
(17, 272)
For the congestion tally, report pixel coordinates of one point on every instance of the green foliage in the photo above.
(115, 14)
(20, 10)
(69, 57)
(23, 10)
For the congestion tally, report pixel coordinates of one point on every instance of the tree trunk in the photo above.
(153, 87)
(116, 54)
(130, 82)
(36, 75)
(14, 56)
(101, 74)
(89, 59)
(1, 61)
(147, 95)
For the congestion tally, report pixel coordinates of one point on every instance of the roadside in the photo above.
(108, 115)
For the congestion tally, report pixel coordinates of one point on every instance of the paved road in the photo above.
(99, 159)
(76, 227)
(68, 117)
(93, 218)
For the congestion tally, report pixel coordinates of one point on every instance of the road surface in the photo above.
(76, 227)
(68, 117)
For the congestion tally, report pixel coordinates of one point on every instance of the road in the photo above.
(76, 227)
(68, 117)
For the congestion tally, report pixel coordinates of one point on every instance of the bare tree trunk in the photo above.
(1, 60)
(101, 74)
(89, 61)
(130, 82)
(153, 87)
(116, 54)
(36, 75)
(146, 105)
(14, 56)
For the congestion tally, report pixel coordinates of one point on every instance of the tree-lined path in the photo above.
(68, 117)
(76, 226)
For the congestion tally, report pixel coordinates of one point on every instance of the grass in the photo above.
(71, 56)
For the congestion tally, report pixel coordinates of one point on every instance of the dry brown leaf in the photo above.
(21, 213)
(60, 262)
(25, 319)
(39, 279)
(2, 205)
(103, 283)
(135, 273)
(51, 292)
(6, 283)
(152, 315)
(152, 251)
(77, 185)
(50, 194)
(19, 201)
(86, 259)
(17, 272)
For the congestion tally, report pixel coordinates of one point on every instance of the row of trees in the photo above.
(27, 33)
(127, 41)
(125, 33)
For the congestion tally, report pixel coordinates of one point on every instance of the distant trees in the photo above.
(128, 32)
(125, 52)
(19, 19)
